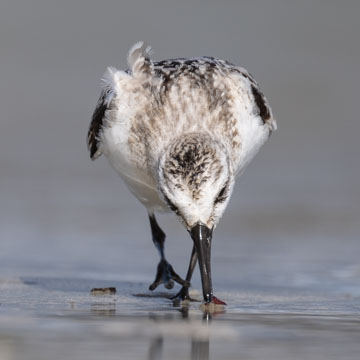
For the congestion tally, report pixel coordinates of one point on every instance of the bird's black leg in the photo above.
(183, 294)
(165, 273)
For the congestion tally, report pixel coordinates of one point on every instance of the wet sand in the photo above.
(43, 318)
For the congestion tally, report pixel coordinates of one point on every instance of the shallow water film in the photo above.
(58, 318)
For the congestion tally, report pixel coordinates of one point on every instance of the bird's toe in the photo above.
(166, 275)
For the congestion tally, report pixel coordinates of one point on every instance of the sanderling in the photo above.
(178, 132)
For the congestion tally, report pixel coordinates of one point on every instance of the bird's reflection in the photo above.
(199, 349)
(199, 344)
(155, 348)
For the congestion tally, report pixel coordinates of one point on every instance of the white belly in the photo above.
(143, 191)
(141, 183)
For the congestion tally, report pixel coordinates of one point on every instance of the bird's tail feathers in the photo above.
(109, 77)
(139, 57)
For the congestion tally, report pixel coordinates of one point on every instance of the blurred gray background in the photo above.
(294, 216)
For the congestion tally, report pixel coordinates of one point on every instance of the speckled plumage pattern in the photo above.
(178, 131)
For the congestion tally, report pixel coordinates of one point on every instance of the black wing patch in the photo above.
(264, 111)
(97, 123)
(261, 103)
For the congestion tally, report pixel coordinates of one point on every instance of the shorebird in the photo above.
(179, 132)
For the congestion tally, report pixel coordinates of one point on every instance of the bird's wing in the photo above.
(261, 105)
(113, 91)
(104, 104)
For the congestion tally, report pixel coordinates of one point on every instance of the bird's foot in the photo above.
(166, 275)
(181, 296)
(214, 306)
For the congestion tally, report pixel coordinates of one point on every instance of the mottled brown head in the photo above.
(196, 178)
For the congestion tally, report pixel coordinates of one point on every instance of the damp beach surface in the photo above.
(44, 318)
(274, 316)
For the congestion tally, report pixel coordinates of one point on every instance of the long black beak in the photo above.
(202, 236)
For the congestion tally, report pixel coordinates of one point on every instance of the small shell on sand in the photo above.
(103, 291)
